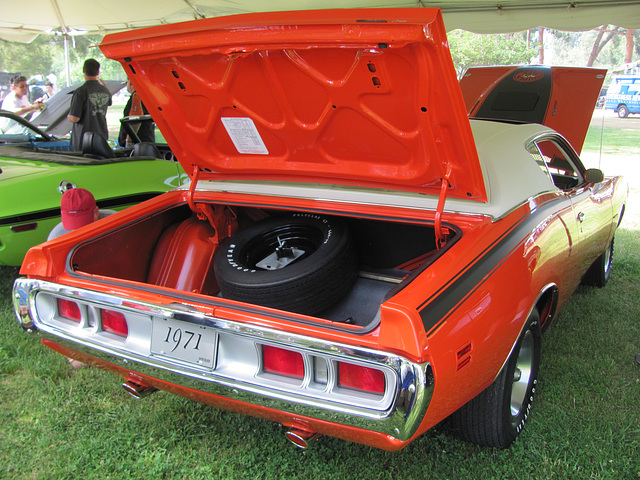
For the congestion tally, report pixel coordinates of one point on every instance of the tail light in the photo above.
(114, 322)
(282, 362)
(362, 378)
(69, 310)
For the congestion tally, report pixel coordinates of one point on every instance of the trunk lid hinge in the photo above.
(222, 219)
(442, 233)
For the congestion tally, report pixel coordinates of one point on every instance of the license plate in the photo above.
(178, 340)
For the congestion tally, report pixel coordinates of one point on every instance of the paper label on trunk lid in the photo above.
(244, 135)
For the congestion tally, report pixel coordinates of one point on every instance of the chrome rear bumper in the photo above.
(235, 367)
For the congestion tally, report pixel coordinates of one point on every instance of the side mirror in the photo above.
(593, 175)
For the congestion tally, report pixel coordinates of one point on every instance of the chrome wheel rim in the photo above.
(522, 374)
(607, 259)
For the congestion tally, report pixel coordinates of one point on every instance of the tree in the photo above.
(602, 38)
(471, 49)
(45, 55)
(34, 58)
(604, 47)
(629, 53)
(541, 45)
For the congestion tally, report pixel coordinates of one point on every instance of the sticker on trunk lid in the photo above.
(244, 135)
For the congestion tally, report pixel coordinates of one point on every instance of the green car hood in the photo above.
(22, 183)
(28, 185)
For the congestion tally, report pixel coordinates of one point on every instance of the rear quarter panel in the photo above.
(487, 285)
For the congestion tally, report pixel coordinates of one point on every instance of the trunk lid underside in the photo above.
(309, 96)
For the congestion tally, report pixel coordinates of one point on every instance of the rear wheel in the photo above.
(496, 416)
(623, 111)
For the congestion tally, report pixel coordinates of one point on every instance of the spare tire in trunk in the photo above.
(301, 263)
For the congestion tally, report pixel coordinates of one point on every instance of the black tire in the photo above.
(301, 263)
(623, 111)
(497, 416)
(600, 271)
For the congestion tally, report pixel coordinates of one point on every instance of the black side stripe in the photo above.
(55, 212)
(439, 307)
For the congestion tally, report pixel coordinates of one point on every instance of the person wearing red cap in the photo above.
(77, 208)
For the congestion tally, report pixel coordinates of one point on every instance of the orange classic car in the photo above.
(353, 256)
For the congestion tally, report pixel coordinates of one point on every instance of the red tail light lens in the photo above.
(114, 322)
(69, 310)
(282, 362)
(362, 378)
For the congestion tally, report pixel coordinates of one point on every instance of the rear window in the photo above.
(515, 101)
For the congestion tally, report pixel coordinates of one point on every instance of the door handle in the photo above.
(581, 217)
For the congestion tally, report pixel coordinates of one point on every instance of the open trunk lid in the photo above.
(562, 98)
(365, 97)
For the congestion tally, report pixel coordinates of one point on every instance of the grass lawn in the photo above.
(60, 423)
(616, 140)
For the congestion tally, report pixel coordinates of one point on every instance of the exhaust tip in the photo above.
(137, 390)
(301, 438)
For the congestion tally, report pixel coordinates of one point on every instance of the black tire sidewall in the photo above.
(623, 111)
(230, 266)
(308, 285)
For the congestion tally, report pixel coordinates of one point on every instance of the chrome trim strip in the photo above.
(398, 412)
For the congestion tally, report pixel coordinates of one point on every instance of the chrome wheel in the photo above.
(608, 254)
(281, 246)
(522, 374)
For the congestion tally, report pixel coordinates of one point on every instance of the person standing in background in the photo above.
(135, 107)
(48, 92)
(17, 101)
(89, 104)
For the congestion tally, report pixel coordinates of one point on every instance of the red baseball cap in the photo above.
(78, 208)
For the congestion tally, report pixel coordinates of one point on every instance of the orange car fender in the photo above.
(469, 346)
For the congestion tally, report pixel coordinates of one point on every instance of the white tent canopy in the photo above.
(24, 21)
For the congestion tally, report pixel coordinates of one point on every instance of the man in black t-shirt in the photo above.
(89, 104)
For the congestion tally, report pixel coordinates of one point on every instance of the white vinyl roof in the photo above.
(503, 176)
(24, 21)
